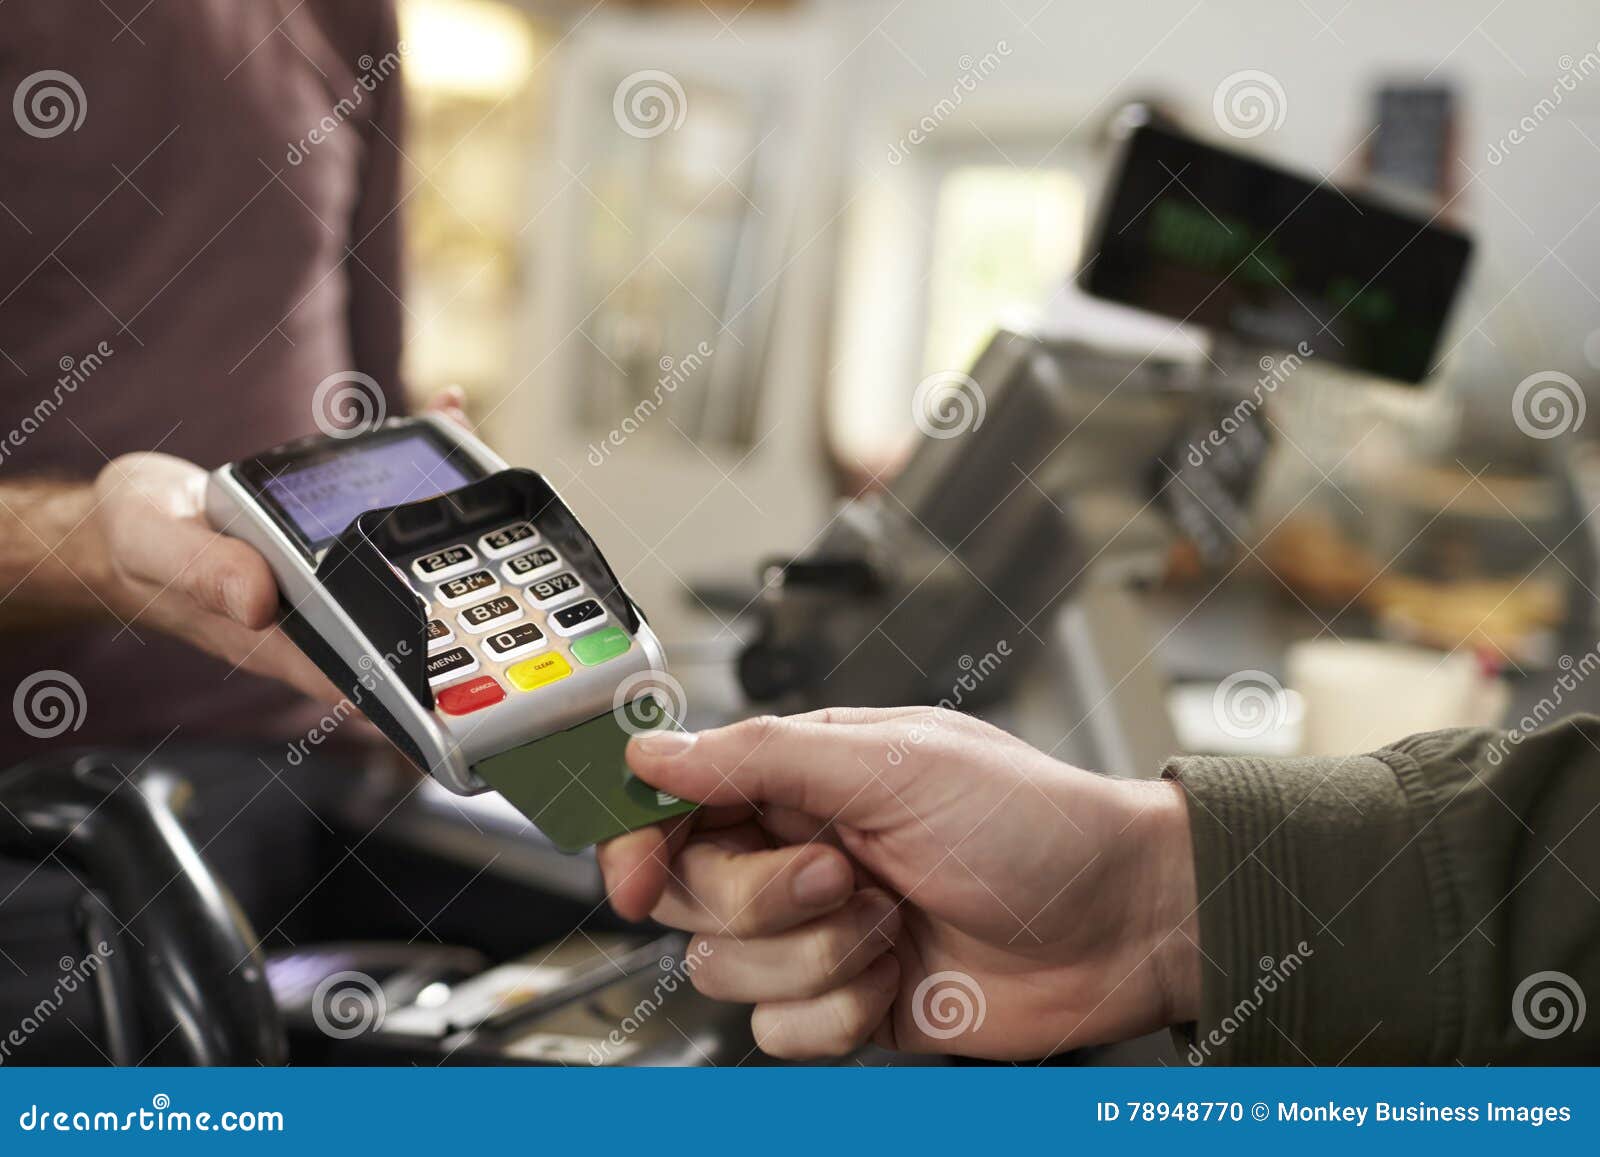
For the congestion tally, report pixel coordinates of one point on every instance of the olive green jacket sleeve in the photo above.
(1435, 902)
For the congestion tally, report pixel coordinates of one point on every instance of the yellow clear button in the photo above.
(531, 674)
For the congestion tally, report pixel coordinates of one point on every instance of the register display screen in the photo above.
(324, 496)
(1207, 236)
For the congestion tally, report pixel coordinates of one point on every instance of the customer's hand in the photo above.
(159, 563)
(852, 862)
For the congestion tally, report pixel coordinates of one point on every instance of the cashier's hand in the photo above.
(918, 878)
(158, 563)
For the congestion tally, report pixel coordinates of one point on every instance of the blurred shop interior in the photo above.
(562, 271)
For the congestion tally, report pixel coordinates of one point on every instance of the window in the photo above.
(1003, 239)
(938, 252)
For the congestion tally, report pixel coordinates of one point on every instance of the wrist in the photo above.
(89, 578)
(1179, 956)
(52, 553)
(1165, 895)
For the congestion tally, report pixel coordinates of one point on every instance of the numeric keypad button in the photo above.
(515, 642)
(445, 564)
(487, 616)
(507, 540)
(536, 564)
(554, 591)
(468, 587)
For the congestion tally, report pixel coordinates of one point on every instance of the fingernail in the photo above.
(665, 744)
(821, 882)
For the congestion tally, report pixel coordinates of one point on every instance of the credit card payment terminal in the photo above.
(463, 608)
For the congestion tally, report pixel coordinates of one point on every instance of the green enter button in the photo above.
(600, 646)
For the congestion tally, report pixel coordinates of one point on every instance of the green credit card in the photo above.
(575, 785)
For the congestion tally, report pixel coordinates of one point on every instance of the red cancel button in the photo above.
(473, 695)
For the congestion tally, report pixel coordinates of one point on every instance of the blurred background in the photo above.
(694, 259)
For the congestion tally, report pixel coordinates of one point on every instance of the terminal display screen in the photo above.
(325, 494)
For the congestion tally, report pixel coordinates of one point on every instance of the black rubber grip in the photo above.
(343, 676)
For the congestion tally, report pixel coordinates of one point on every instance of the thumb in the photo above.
(830, 770)
(223, 576)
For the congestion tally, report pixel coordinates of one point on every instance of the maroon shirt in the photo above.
(226, 259)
